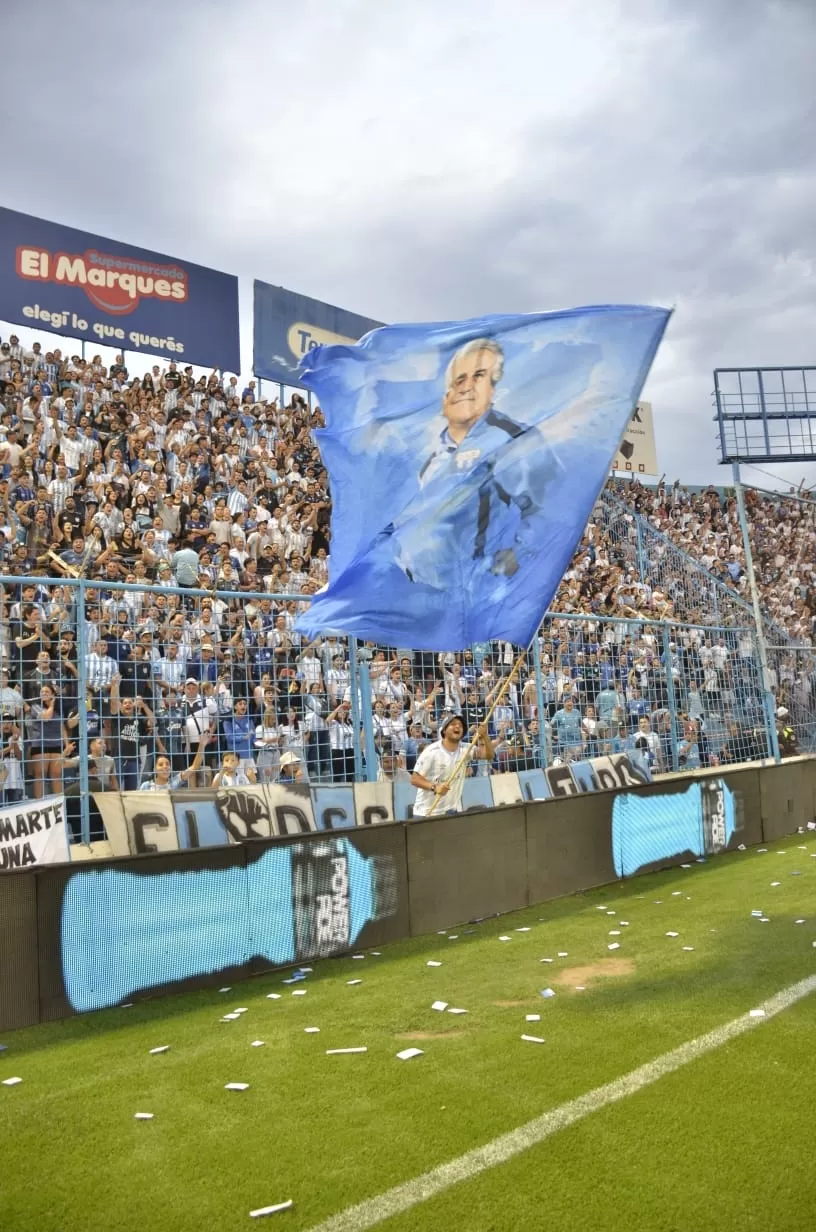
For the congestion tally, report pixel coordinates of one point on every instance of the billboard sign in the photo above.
(637, 454)
(288, 326)
(84, 286)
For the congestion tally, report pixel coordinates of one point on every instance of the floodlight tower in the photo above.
(764, 415)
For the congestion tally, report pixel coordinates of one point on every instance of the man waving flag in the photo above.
(464, 461)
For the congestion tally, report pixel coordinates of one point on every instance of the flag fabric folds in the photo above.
(464, 460)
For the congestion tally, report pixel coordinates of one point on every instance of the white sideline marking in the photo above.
(402, 1197)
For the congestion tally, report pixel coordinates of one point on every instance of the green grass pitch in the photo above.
(726, 1142)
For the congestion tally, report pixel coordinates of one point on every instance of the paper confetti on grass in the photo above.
(533, 1039)
(408, 1054)
(236, 1086)
(339, 1052)
(155, 1051)
(271, 1210)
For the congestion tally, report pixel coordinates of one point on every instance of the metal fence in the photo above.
(101, 681)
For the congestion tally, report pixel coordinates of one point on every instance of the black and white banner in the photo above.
(33, 832)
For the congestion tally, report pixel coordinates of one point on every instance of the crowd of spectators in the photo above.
(197, 483)
(782, 527)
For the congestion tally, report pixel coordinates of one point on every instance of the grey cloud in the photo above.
(407, 164)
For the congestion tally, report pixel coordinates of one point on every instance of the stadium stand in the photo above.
(169, 480)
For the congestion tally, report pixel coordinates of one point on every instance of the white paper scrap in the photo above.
(760, 850)
(155, 1051)
(532, 1018)
(563, 954)
(312, 1030)
(547, 992)
(229, 989)
(377, 953)
(230, 1017)
(241, 1009)
(505, 938)
(763, 919)
(298, 992)
(351, 982)
(453, 936)
(338, 1052)
(776, 883)
(431, 963)
(358, 956)
(408, 1054)
(800, 921)
(614, 932)
(781, 853)
(741, 847)
(307, 969)
(11, 1082)
(453, 1010)
(271, 1210)
(688, 948)
(623, 923)
(614, 946)
(757, 913)
(672, 934)
(257, 1044)
(273, 996)
(236, 1086)
(545, 960)
(532, 1039)
(602, 907)
(580, 988)
(441, 932)
(677, 893)
(526, 929)
(439, 1005)
(143, 1116)
(685, 866)
(611, 913)
(756, 1014)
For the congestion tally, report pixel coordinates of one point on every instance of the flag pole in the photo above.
(464, 760)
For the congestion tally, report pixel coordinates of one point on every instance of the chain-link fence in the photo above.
(118, 687)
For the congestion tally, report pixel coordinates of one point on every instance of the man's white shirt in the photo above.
(437, 764)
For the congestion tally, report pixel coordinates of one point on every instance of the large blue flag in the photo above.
(464, 460)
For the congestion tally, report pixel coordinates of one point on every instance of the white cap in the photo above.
(289, 759)
(782, 713)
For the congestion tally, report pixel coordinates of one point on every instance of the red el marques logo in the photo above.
(114, 284)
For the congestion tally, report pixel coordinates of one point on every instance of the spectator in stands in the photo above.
(166, 779)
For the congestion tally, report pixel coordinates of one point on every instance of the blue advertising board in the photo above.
(288, 326)
(84, 286)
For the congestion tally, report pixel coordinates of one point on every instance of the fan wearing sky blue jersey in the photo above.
(501, 470)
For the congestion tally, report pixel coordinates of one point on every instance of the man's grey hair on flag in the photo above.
(478, 344)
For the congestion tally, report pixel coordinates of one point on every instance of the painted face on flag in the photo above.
(471, 379)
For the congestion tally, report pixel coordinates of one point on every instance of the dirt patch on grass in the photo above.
(607, 968)
(429, 1035)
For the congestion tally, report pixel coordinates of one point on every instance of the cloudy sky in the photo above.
(446, 158)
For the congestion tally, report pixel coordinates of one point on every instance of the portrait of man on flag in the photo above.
(508, 465)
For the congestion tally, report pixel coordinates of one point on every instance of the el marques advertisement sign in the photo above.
(84, 286)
